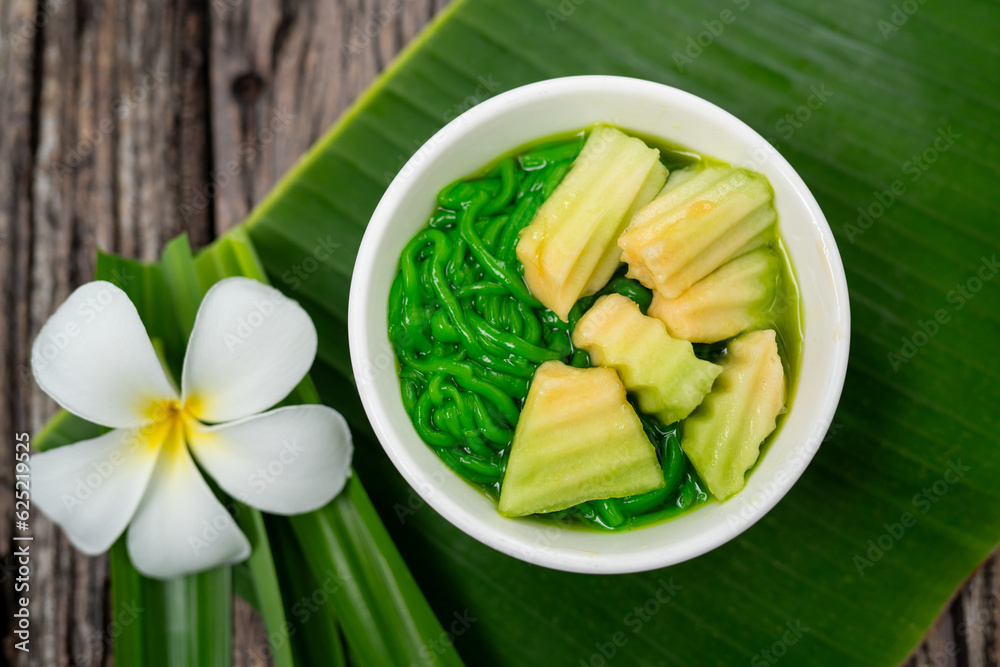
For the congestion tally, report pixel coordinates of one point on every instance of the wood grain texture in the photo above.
(126, 123)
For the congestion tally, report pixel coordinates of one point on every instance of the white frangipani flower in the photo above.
(249, 348)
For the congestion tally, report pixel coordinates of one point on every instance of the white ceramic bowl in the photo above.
(511, 120)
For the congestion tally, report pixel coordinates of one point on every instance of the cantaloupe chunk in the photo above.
(570, 247)
(722, 438)
(704, 217)
(663, 373)
(577, 439)
(732, 299)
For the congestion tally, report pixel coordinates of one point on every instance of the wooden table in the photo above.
(118, 120)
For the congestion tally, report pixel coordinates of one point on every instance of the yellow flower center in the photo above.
(170, 423)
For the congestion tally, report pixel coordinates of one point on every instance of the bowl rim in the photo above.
(362, 346)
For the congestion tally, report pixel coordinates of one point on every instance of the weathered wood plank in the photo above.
(281, 74)
(109, 130)
(18, 37)
(968, 632)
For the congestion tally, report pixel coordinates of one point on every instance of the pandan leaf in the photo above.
(856, 95)
(184, 278)
(189, 621)
(368, 591)
(186, 620)
(312, 617)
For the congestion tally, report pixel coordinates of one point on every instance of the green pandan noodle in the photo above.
(469, 334)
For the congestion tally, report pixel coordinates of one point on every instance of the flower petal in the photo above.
(92, 488)
(94, 358)
(180, 526)
(286, 461)
(249, 348)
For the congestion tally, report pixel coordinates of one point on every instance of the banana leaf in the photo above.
(887, 110)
